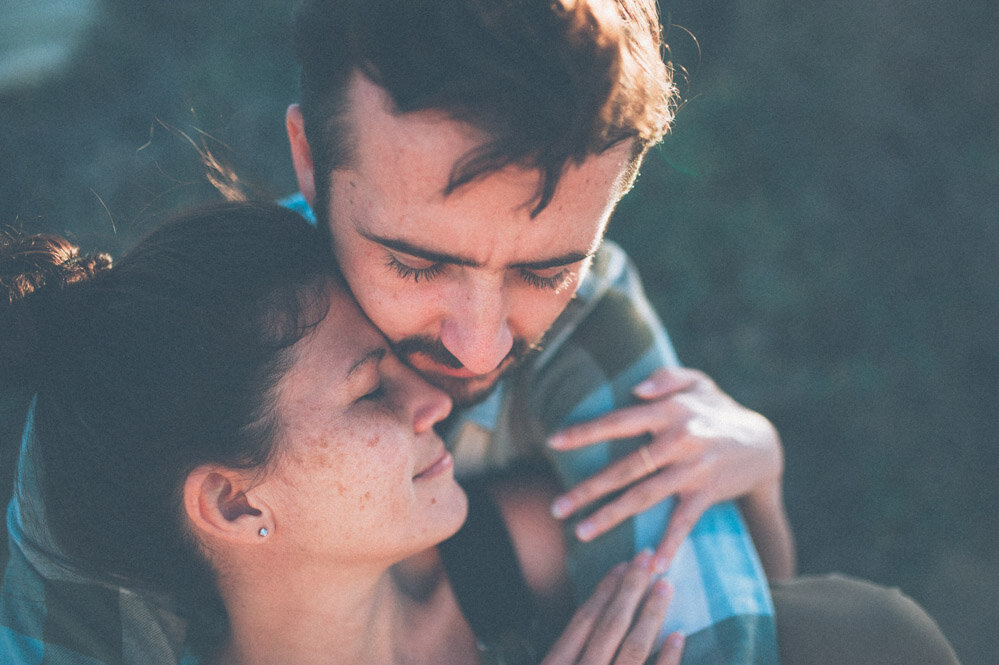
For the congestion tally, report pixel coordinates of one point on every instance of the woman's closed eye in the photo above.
(376, 393)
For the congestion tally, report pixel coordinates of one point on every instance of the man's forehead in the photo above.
(384, 137)
(416, 154)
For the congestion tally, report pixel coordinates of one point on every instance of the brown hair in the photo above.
(147, 370)
(29, 263)
(550, 82)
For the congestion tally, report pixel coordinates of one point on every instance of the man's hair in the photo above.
(549, 82)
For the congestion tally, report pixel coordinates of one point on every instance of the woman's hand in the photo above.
(705, 448)
(620, 622)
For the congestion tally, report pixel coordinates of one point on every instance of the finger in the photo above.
(637, 646)
(616, 619)
(617, 476)
(666, 381)
(641, 497)
(685, 515)
(672, 650)
(573, 639)
(622, 423)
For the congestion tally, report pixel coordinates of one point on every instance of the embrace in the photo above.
(243, 438)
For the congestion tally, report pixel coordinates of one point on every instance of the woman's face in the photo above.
(359, 471)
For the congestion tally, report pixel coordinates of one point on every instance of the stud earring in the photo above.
(263, 532)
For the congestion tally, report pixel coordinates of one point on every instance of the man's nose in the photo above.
(476, 330)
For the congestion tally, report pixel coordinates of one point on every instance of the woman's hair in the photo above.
(146, 370)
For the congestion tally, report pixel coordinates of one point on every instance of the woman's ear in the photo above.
(301, 153)
(218, 505)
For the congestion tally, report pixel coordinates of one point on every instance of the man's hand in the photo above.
(705, 448)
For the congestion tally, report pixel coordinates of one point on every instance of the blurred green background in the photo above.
(820, 233)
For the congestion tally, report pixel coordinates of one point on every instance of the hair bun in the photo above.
(32, 262)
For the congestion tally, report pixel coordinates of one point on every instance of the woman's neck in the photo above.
(310, 617)
(388, 617)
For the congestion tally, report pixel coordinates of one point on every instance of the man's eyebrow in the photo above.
(555, 261)
(374, 355)
(407, 247)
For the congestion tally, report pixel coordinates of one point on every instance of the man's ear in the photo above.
(218, 506)
(301, 153)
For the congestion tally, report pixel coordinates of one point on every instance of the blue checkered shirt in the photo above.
(606, 341)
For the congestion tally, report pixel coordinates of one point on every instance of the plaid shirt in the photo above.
(606, 341)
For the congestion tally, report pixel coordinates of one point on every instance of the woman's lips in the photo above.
(441, 464)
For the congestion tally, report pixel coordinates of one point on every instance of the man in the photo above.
(465, 158)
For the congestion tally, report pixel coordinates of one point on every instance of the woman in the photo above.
(215, 423)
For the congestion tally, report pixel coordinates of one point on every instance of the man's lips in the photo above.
(441, 463)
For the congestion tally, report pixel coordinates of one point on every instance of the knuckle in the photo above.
(633, 650)
(646, 492)
(685, 517)
(698, 376)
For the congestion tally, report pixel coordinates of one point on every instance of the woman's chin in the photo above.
(450, 507)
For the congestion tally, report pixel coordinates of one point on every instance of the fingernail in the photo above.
(561, 507)
(556, 440)
(644, 558)
(660, 564)
(662, 587)
(676, 640)
(646, 388)
(584, 530)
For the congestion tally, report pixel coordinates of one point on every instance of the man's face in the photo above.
(462, 285)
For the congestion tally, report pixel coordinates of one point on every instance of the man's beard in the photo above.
(463, 391)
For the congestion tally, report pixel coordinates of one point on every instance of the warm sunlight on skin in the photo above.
(359, 472)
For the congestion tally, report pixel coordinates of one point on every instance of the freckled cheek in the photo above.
(363, 472)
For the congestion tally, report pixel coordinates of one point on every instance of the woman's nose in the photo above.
(430, 405)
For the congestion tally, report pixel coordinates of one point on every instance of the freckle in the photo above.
(373, 441)
(433, 500)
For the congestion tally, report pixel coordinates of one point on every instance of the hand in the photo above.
(705, 448)
(605, 629)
